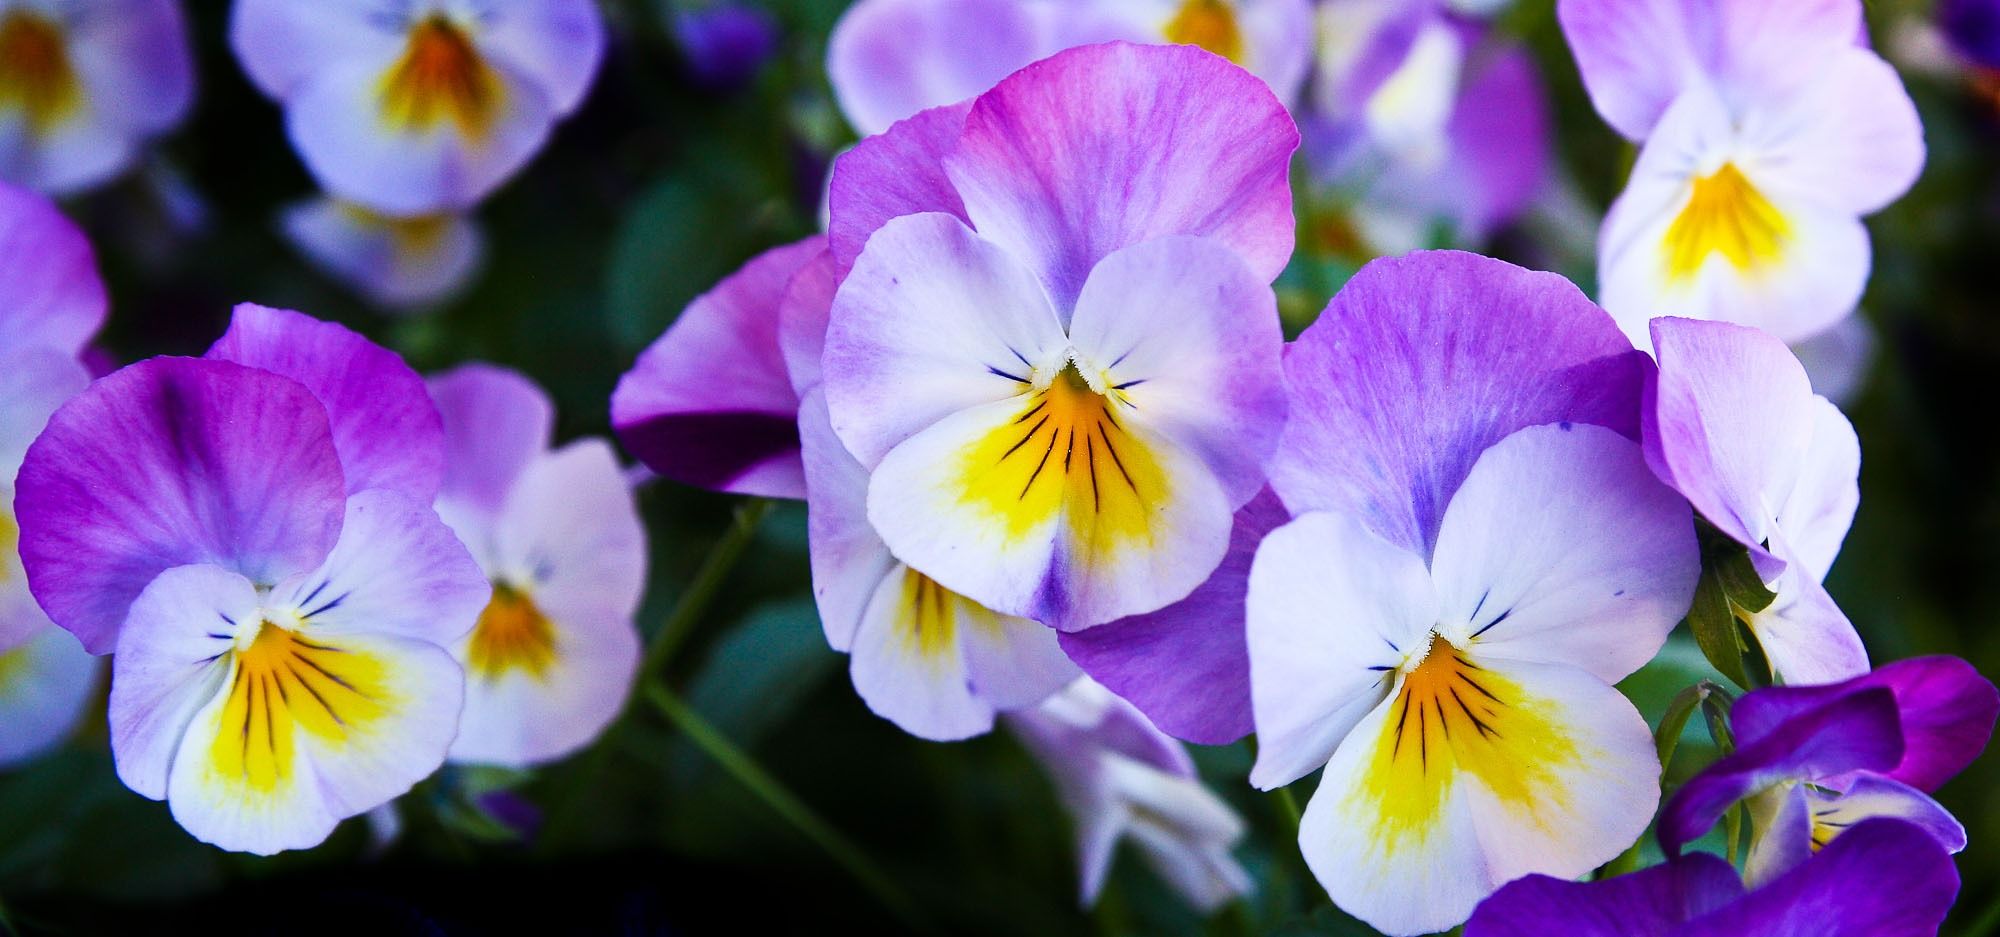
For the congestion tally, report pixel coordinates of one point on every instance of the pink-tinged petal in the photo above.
(558, 43)
(1651, 902)
(802, 319)
(1946, 710)
(169, 462)
(890, 59)
(710, 403)
(1851, 137)
(1841, 359)
(384, 424)
(1102, 147)
(1884, 878)
(933, 320)
(895, 173)
(1187, 666)
(1766, 50)
(396, 570)
(849, 560)
(496, 421)
(47, 683)
(1420, 364)
(34, 381)
(281, 43)
(173, 656)
(50, 293)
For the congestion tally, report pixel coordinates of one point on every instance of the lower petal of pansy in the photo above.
(399, 263)
(540, 686)
(909, 660)
(1015, 662)
(1805, 636)
(1473, 773)
(46, 681)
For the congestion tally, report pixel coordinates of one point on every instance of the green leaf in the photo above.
(1715, 629)
(1674, 721)
(1740, 582)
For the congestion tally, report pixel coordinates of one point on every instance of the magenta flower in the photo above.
(552, 658)
(84, 84)
(252, 532)
(50, 295)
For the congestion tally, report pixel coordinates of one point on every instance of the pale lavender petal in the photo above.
(1947, 713)
(802, 318)
(496, 420)
(384, 425)
(170, 462)
(49, 290)
(895, 173)
(34, 381)
(889, 59)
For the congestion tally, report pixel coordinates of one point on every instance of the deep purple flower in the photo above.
(1973, 27)
(725, 44)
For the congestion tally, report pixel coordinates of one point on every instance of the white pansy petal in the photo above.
(173, 660)
(908, 659)
(46, 683)
(570, 530)
(849, 560)
(396, 569)
(1332, 612)
(1851, 137)
(531, 708)
(281, 43)
(1804, 634)
(558, 43)
(371, 761)
(135, 65)
(216, 801)
(1013, 662)
(396, 263)
(1562, 547)
(1816, 514)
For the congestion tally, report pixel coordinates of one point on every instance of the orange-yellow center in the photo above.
(285, 683)
(1725, 215)
(441, 77)
(512, 634)
(1210, 24)
(36, 76)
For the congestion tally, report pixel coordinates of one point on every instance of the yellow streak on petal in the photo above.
(1726, 215)
(284, 683)
(10, 542)
(1452, 716)
(1210, 24)
(512, 634)
(930, 615)
(1067, 452)
(36, 75)
(441, 77)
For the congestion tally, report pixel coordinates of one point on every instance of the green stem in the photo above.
(1288, 809)
(785, 804)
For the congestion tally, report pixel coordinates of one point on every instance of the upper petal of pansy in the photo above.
(802, 319)
(281, 44)
(1946, 710)
(889, 59)
(1420, 364)
(397, 569)
(570, 531)
(710, 402)
(46, 684)
(558, 43)
(1422, 812)
(1651, 902)
(1562, 547)
(50, 293)
(1883, 878)
(1187, 666)
(1851, 137)
(496, 421)
(1855, 733)
(387, 430)
(169, 462)
(891, 174)
(1102, 147)
(1330, 613)
(1501, 140)
(34, 381)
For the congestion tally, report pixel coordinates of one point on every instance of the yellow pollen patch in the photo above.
(929, 615)
(512, 634)
(441, 76)
(1069, 453)
(1726, 215)
(36, 76)
(284, 683)
(1452, 716)
(1210, 24)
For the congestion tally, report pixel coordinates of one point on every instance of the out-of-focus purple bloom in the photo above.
(1120, 777)
(1814, 761)
(1973, 28)
(891, 59)
(725, 44)
(50, 294)
(423, 106)
(252, 532)
(1883, 878)
(1731, 421)
(84, 84)
(397, 263)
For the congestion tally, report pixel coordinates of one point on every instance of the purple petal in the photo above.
(895, 173)
(496, 421)
(1947, 713)
(1973, 27)
(1186, 666)
(1501, 137)
(1883, 878)
(1424, 361)
(803, 316)
(710, 403)
(1102, 147)
(384, 425)
(49, 291)
(171, 462)
(1652, 902)
(725, 45)
(1857, 732)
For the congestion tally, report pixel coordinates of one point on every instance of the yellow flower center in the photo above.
(1725, 215)
(512, 634)
(36, 76)
(441, 77)
(1210, 24)
(284, 683)
(929, 616)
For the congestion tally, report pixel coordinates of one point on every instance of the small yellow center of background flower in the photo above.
(1210, 24)
(36, 76)
(441, 77)
(284, 683)
(512, 634)
(10, 541)
(1726, 215)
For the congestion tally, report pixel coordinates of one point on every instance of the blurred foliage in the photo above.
(642, 201)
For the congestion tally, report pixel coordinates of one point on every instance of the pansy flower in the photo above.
(419, 107)
(252, 532)
(1476, 560)
(397, 263)
(1120, 778)
(935, 663)
(552, 657)
(84, 84)
(1768, 133)
(890, 59)
(1731, 422)
(1884, 878)
(1813, 762)
(1062, 372)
